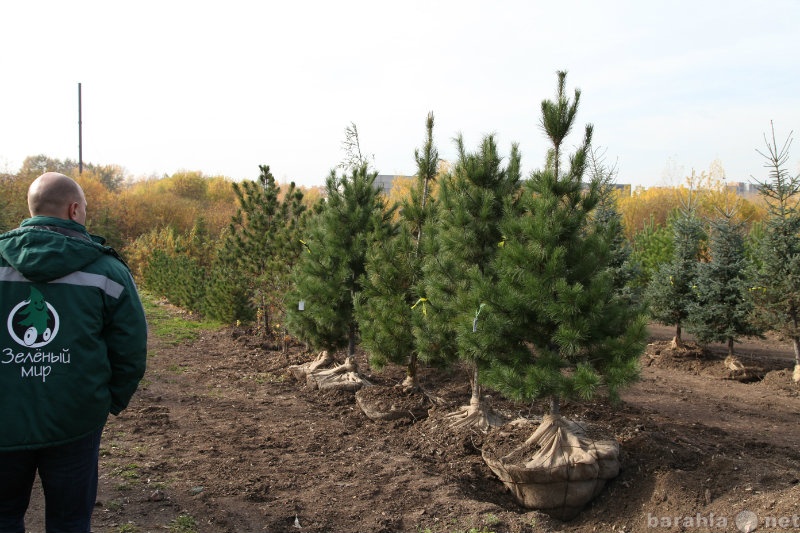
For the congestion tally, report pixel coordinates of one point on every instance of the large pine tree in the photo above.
(464, 238)
(329, 274)
(555, 321)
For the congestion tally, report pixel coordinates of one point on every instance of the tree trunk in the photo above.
(478, 414)
(264, 318)
(351, 347)
(411, 373)
(677, 341)
(730, 346)
(267, 318)
(555, 406)
(796, 346)
(476, 388)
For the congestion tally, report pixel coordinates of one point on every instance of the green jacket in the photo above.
(73, 336)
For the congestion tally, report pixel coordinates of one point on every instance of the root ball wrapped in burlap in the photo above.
(301, 372)
(559, 469)
(339, 377)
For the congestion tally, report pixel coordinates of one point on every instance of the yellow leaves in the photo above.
(219, 189)
(151, 204)
(656, 203)
(312, 195)
(401, 189)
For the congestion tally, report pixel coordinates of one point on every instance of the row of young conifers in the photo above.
(542, 285)
(533, 283)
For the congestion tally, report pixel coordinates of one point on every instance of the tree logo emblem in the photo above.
(33, 323)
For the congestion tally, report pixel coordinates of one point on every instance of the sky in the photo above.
(223, 87)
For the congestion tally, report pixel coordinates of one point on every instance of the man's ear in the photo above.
(73, 210)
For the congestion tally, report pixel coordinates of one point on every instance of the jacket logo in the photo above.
(33, 322)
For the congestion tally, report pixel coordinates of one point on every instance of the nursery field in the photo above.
(221, 438)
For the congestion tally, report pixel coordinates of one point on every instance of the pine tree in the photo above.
(670, 292)
(329, 274)
(555, 321)
(391, 303)
(652, 247)
(227, 298)
(177, 265)
(263, 244)
(383, 308)
(721, 310)
(463, 241)
(776, 290)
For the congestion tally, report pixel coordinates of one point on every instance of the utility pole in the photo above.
(80, 133)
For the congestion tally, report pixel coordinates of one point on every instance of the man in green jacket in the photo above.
(73, 344)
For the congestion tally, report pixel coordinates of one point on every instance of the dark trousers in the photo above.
(69, 479)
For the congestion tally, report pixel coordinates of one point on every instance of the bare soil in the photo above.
(221, 432)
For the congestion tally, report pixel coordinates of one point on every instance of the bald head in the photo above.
(56, 195)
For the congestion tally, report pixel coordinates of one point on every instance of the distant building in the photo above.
(384, 182)
(744, 189)
(621, 187)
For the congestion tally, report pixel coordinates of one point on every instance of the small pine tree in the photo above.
(652, 247)
(227, 298)
(776, 287)
(263, 244)
(555, 322)
(329, 274)
(177, 265)
(670, 292)
(383, 307)
(391, 303)
(721, 310)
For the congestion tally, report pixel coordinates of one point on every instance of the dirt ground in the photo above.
(220, 435)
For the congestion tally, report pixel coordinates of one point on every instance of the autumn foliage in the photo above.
(183, 219)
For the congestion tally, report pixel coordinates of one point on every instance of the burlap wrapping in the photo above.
(340, 377)
(566, 471)
(300, 372)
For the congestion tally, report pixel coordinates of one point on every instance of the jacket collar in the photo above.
(63, 226)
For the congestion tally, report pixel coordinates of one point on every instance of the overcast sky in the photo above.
(222, 87)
